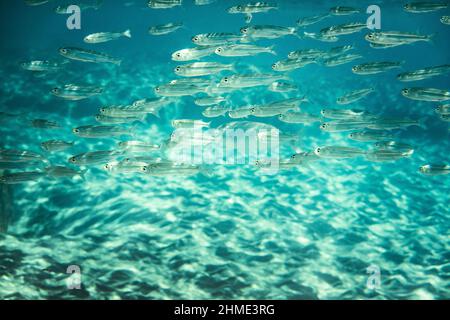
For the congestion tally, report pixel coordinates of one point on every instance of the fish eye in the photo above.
(76, 131)
(219, 49)
(274, 66)
(225, 79)
(317, 150)
(73, 160)
(355, 68)
(405, 91)
(195, 39)
(252, 110)
(351, 135)
(177, 69)
(322, 112)
(323, 126)
(370, 36)
(103, 110)
(107, 166)
(144, 169)
(63, 50)
(178, 55)
(55, 90)
(157, 89)
(244, 30)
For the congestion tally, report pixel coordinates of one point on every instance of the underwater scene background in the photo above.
(233, 232)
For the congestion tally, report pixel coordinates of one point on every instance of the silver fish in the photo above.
(268, 31)
(394, 146)
(354, 96)
(307, 21)
(21, 177)
(375, 67)
(20, 156)
(343, 11)
(347, 114)
(396, 38)
(76, 92)
(343, 29)
(102, 37)
(243, 50)
(193, 53)
(100, 118)
(386, 155)
(425, 73)
(95, 157)
(164, 4)
(292, 64)
(240, 81)
(202, 69)
(371, 136)
(163, 29)
(426, 94)
(443, 109)
(63, 172)
(213, 112)
(435, 169)
(336, 152)
(187, 123)
(240, 113)
(298, 117)
(44, 124)
(209, 101)
(44, 66)
(64, 9)
(102, 131)
(445, 20)
(339, 60)
(138, 146)
(251, 8)
(88, 56)
(423, 7)
(282, 86)
(56, 145)
(216, 39)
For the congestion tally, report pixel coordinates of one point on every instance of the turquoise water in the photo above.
(309, 232)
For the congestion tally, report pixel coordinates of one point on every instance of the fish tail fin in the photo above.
(117, 62)
(156, 112)
(248, 18)
(272, 50)
(127, 33)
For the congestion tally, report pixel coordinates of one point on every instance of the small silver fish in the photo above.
(22, 177)
(196, 53)
(56, 145)
(426, 94)
(435, 169)
(423, 7)
(298, 117)
(197, 69)
(336, 152)
(164, 29)
(343, 11)
(64, 172)
(371, 136)
(102, 37)
(76, 92)
(354, 96)
(375, 67)
(102, 131)
(95, 157)
(88, 56)
(164, 4)
(44, 124)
